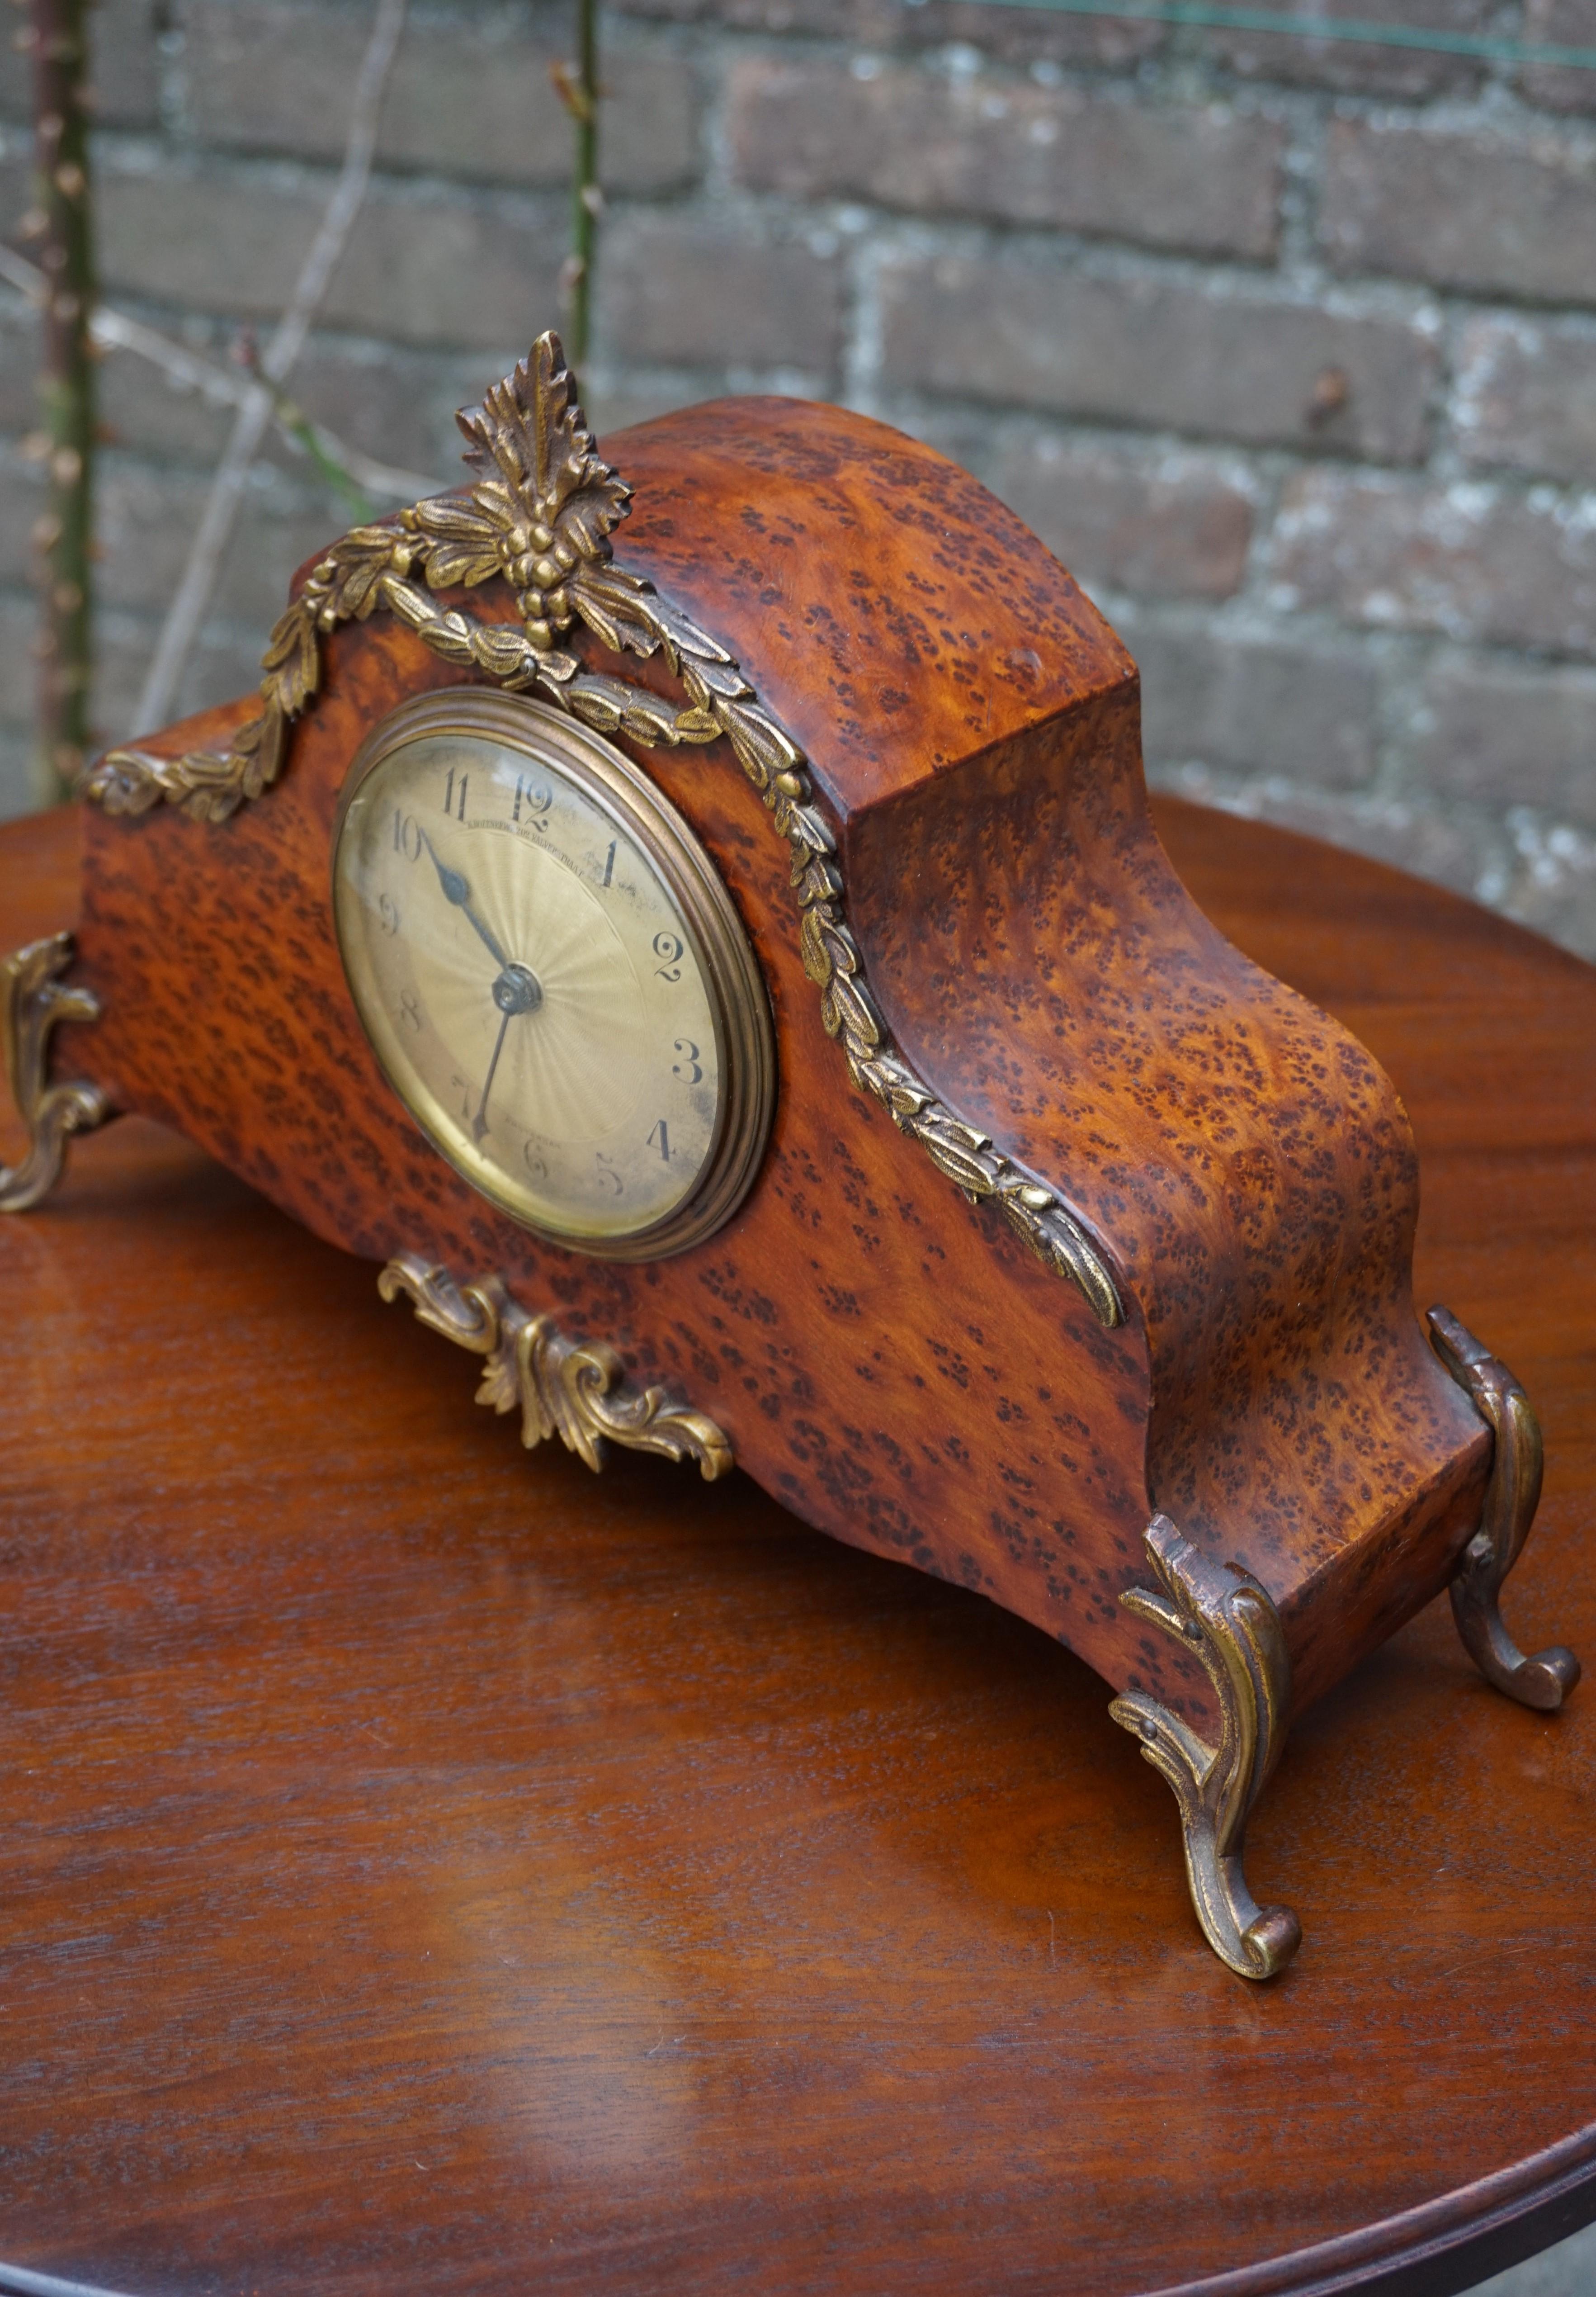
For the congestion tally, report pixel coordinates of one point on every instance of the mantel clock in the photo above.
(728, 980)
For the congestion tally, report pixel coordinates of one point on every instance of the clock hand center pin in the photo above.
(517, 990)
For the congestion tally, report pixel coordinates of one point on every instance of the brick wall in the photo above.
(1287, 349)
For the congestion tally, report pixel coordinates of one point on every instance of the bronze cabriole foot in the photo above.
(574, 1389)
(32, 999)
(1546, 1679)
(1230, 1622)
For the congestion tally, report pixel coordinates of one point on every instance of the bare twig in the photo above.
(581, 94)
(56, 36)
(113, 330)
(296, 425)
(195, 590)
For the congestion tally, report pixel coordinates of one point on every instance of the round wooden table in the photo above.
(428, 1868)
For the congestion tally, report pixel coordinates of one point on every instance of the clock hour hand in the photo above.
(456, 888)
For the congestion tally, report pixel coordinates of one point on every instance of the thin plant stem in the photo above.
(56, 36)
(296, 425)
(335, 473)
(200, 575)
(581, 94)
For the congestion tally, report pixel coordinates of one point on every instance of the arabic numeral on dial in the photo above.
(533, 799)
(687, 1066)
(450, 803)
(609, 862)
(668, 946)
(388, 910)
(659, 1138)
(532, 1157)
(608, 1176)
(463, 1089)
(410, 1010)
(406, 835)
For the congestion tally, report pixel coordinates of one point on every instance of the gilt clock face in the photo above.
(552, 974)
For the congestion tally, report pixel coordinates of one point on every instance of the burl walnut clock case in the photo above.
(729, 981)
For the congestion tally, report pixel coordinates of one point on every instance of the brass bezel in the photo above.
(744, 1036)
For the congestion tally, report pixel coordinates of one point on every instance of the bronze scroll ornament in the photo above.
(33, 999)
(1235, 1630)
(1232, 1626)
(573, 1389)
(1511, 1497)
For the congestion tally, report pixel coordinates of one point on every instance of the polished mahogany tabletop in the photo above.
(427, 1868)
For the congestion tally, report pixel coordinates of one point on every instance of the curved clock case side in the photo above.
(976, 725)
(891, 1361)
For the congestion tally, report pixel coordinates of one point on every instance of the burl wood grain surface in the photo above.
(430, 1867)
(886, 1359)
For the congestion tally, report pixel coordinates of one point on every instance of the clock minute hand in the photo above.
(457, 889)
(517, 990)
(478, 1122)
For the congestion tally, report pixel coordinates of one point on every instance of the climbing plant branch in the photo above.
(59, 219)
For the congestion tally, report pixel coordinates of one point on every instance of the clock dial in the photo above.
(551, 973)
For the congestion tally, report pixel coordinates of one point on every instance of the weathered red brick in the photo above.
(1157, 351)
(1257, 703)
(468, 95)
(1022, 34)
(1472, 209)
(1473, 561)
(1507, 733)
(1525, 397)
(1194, 176)
(1362, 66)
(686, 291)
(1161, 522)
(442, 271)
(1564, 24)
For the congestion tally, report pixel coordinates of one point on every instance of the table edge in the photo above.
(1438, 2248)
(23, 2281)
(1429, 2250)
